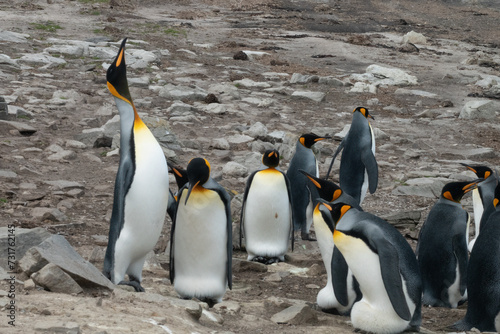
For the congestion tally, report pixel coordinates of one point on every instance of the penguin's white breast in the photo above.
(325, 240)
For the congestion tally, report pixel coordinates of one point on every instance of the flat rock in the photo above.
(7, 174)
(14, 37)
(25, 238)
(404, 91)
(414, 38)
(41, 59)
(173, 92)
(403, 218)
(234, 169)
(228, 307)
(54, 279)
(57, 250)
(248, 83)
(423, 187)
(56, 326)
(315, 96)
(482, 109)
(24, 129)
(64, 184)
(295, 315)
(243, 265)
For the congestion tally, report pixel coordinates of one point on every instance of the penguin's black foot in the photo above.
(271, 260)
(260, 259)
(211, 302)
(135, 284)
(333, 311)
(307, 236)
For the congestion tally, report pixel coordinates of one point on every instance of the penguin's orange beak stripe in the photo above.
(120, 57)
(177, 172)
(316, 183)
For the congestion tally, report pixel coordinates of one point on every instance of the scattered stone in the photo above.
(483, 109)
(220, 144)
(298, 78)
(29, 285)
(173, 92)
(403, 218)
(363, 87)
(7, 174)
(414, 38)
(408, 48)
(25, 239)
(404, 91)
(239, 139)
(54, 279)
(58, 251)
(274, 277)
(13, 37)
(192, 307)
(228, 307)
(102, 142)
(234, 169)
(42, 60)
(248, 83)
(211, 98)
(55, 215)
(62, 155)
(212, 317)
(332, 81)
(215, 109)
(240, 55)
(423, 187)
(256, 130)
(315, 96)
(57, 326)
(295, 315)
(316, 270)
(24, 129)
(64, 184)
(243, 265)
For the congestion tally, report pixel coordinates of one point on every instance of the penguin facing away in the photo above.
(266, 213)
(348, 290)
(141, 187)
(483, 275)
(358, 166)
(302, 195)
(385, 267)
(442, 248)
(482, 197)
(201, 237)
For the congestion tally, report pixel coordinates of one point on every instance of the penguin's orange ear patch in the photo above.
(336, 194)
(302, 141)
(316, 183)
(495, 202)
(486, 174)
(344, 209)
(208, 164)
(448, 196)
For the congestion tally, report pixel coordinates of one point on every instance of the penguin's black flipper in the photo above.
(171, 207)
(368, 159)
(461, 255)
(389, 266)
(171, 265)
(341, 146)
(288, 189)
(339, 270)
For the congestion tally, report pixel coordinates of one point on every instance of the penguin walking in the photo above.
(358, 166)
(336, 267)
(483, 275)
(201, 237)
(266, 213)
(482, 197)
(384, 266)
(141, 187)
(302, 195)
(442, 248)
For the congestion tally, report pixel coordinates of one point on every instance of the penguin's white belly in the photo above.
(145, 208)
(267, 216)
(478, 214)
(200, 251)
(374, 312)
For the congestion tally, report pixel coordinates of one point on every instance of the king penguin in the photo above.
(482, 197)
(483, 275)
(442, 248)
(180, 179)
(358, 166)
(385, 267)
(201, 237)
(302, 195)
(266, 213)
(141, 187)
(336, 267)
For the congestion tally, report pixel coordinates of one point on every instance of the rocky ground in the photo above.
(433, 94)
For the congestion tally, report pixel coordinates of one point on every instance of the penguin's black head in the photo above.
(198, 173)
(116, 76)
(181, 177)
(309, 139)
(338, 210)
(271, 158)
(454, 191)
(364, 112)
(327, 190)
(481, 172)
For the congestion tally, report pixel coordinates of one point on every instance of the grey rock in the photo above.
(298, 78)
(56, 326)
(173, 92)
(57, 250)
(471, 153)
(315, 96)
(7, 174)
(89, 136)
(228, 307)
(141, 58)
(483, 109)
(142, 82)
(274, 277)
(103, 52)
(295, 315)
(415, 38)
(404, 91)
(243, 265)
(234, 169)
(220, 144)
(215, 109)
(64, 184)
(24, 129)
(29, 285)
(248, 83)
(70, 50)
(256, 130)
(403, 218)
(75, 144)
(54, 279)
(8, 64)
(62, 155)
(55, 214)
(179, 108)
(192, 307)
(239, 139)
(363, 87)
(41, 59)
(332, 81)
(275, 136)
(14, 37)
(423, 187)
(24, 239)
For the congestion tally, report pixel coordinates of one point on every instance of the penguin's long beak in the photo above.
(191, 187)
(311, 178)
(471, 186)
(322, 138)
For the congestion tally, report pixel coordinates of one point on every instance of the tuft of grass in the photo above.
(3, 201)
(48, 26)
(93, 1)
(175, 32)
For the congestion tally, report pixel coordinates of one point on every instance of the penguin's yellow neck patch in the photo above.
(115, 93)
(139, 125)
(338, 236)
(269, 170)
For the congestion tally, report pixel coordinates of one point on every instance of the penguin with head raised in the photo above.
(141, 187)
(336, 267)
(181, 179)
(266, 214)
(302, 195)
(482, 197)
(201, 237)
(347, 291)
(358, 166)
(385, 267)
(483, 276)
(442, 248)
